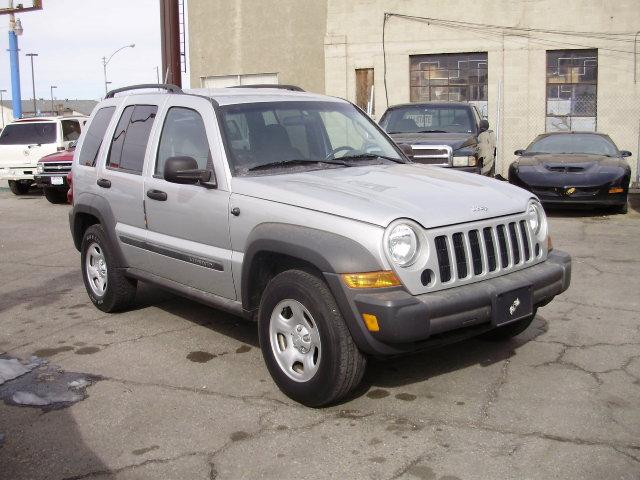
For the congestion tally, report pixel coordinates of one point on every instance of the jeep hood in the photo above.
(454, 140)
(379, 194)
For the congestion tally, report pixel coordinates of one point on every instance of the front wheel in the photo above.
(55, 195)
(19, 187)
(107, 287)
(305, 342)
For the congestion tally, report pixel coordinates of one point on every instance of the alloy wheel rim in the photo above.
(295, 340)
(96, 268)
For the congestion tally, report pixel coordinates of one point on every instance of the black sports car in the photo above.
(574, 168)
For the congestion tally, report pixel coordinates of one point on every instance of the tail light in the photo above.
(70, 191)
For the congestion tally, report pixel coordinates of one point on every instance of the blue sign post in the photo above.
(15, 75)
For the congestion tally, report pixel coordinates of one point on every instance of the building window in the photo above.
(364, 89)
(450, 77)
(572, 82)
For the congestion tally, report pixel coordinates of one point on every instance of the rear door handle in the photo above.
(104, 183)
(157, 195)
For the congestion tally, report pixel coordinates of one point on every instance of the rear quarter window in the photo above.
(94, 136)
(130, 139)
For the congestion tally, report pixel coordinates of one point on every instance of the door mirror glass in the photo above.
(625, 153)
(483, 126)
(184, 170)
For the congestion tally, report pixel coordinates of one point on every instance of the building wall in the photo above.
(516, 60)
(242, 37)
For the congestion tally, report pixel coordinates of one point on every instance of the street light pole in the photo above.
(33, 81)
(105, 62)
(2, 107)
(52, 87)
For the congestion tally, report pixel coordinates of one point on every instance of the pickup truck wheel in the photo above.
(55, 195)
(107, 287)
(305, 342)
(19, 188)
(510, 330)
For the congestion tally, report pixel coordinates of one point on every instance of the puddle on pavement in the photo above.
(378, 393)
(200, 356)
(50, 352)
(243, 349)
(37, 383)
(87, 350)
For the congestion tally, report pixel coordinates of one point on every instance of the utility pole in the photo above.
(170, 38)
(52, 111)
(15, 29)
(33, 82)
(157, 75)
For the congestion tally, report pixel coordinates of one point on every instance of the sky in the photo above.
(71, 37)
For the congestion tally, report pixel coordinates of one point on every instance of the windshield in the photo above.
(295, 134)
(28, 133)
(429, 118)
(585, 143)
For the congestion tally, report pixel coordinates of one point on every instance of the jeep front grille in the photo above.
(472, 252)
(57, 167)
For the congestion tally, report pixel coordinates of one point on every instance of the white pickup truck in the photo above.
(25, 141)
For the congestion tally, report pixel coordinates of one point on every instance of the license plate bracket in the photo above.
(512, 305)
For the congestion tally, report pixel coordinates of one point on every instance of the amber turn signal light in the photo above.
(383, 279)
(371, 321)
(616, 190)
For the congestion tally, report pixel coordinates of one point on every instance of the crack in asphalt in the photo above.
(494, 390)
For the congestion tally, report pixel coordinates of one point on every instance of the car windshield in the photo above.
(35, 133)
(582, 143)
(429, 119)
(280, 136)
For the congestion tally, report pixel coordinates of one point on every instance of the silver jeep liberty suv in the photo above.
(298, 211)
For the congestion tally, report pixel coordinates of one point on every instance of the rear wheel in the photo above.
(511, 330)
(107, 287)
(305, 342)
(19, 187)
(622, 209)
(55, 195)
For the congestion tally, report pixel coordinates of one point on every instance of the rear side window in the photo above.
(130, 138)
(95, 134)
(70, 130)
(183, 134)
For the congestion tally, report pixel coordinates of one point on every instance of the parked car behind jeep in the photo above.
(51, 174)
(296, 210)
(447, 134)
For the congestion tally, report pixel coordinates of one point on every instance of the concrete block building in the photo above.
(530, 66)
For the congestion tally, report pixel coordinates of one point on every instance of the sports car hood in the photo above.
(581, 161)
(379, 194)
(454, 140)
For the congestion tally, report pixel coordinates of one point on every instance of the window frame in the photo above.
(94, 164)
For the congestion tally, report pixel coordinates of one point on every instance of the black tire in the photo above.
(55, 195)
(120, 291)
(622, 209)
(18, 187)
(509, 331)
(341, 365)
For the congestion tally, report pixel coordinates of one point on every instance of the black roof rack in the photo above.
(162, 86)
(293, 88)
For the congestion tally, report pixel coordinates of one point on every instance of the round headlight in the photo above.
(402, 245)
(537, 218)
(39, 168)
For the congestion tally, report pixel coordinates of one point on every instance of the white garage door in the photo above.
(223, 81)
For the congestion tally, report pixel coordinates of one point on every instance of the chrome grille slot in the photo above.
(525, 240)
(502, 246)
(442, 251)
(476, 251)
(461, 258)
(491, 249)
(515, 246)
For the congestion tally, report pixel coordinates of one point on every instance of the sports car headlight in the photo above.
(465, 161)
(40, 168)
(537, 220)
(402, 244)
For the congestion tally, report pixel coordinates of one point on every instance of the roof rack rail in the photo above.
(162, 86)
(293, 88)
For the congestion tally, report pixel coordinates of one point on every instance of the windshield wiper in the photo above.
(370, 155)
(293, 162)
(431, 131)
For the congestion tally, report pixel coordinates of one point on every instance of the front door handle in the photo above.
(104, 183)
(157, 195)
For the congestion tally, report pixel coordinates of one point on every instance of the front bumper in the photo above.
(17, 173)
(44, 180)
(409, 323)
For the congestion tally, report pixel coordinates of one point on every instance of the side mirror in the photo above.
(184, 170)
(483, 126)
(72, 144)
(407, 150)
(519, 153)
(625, 153)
